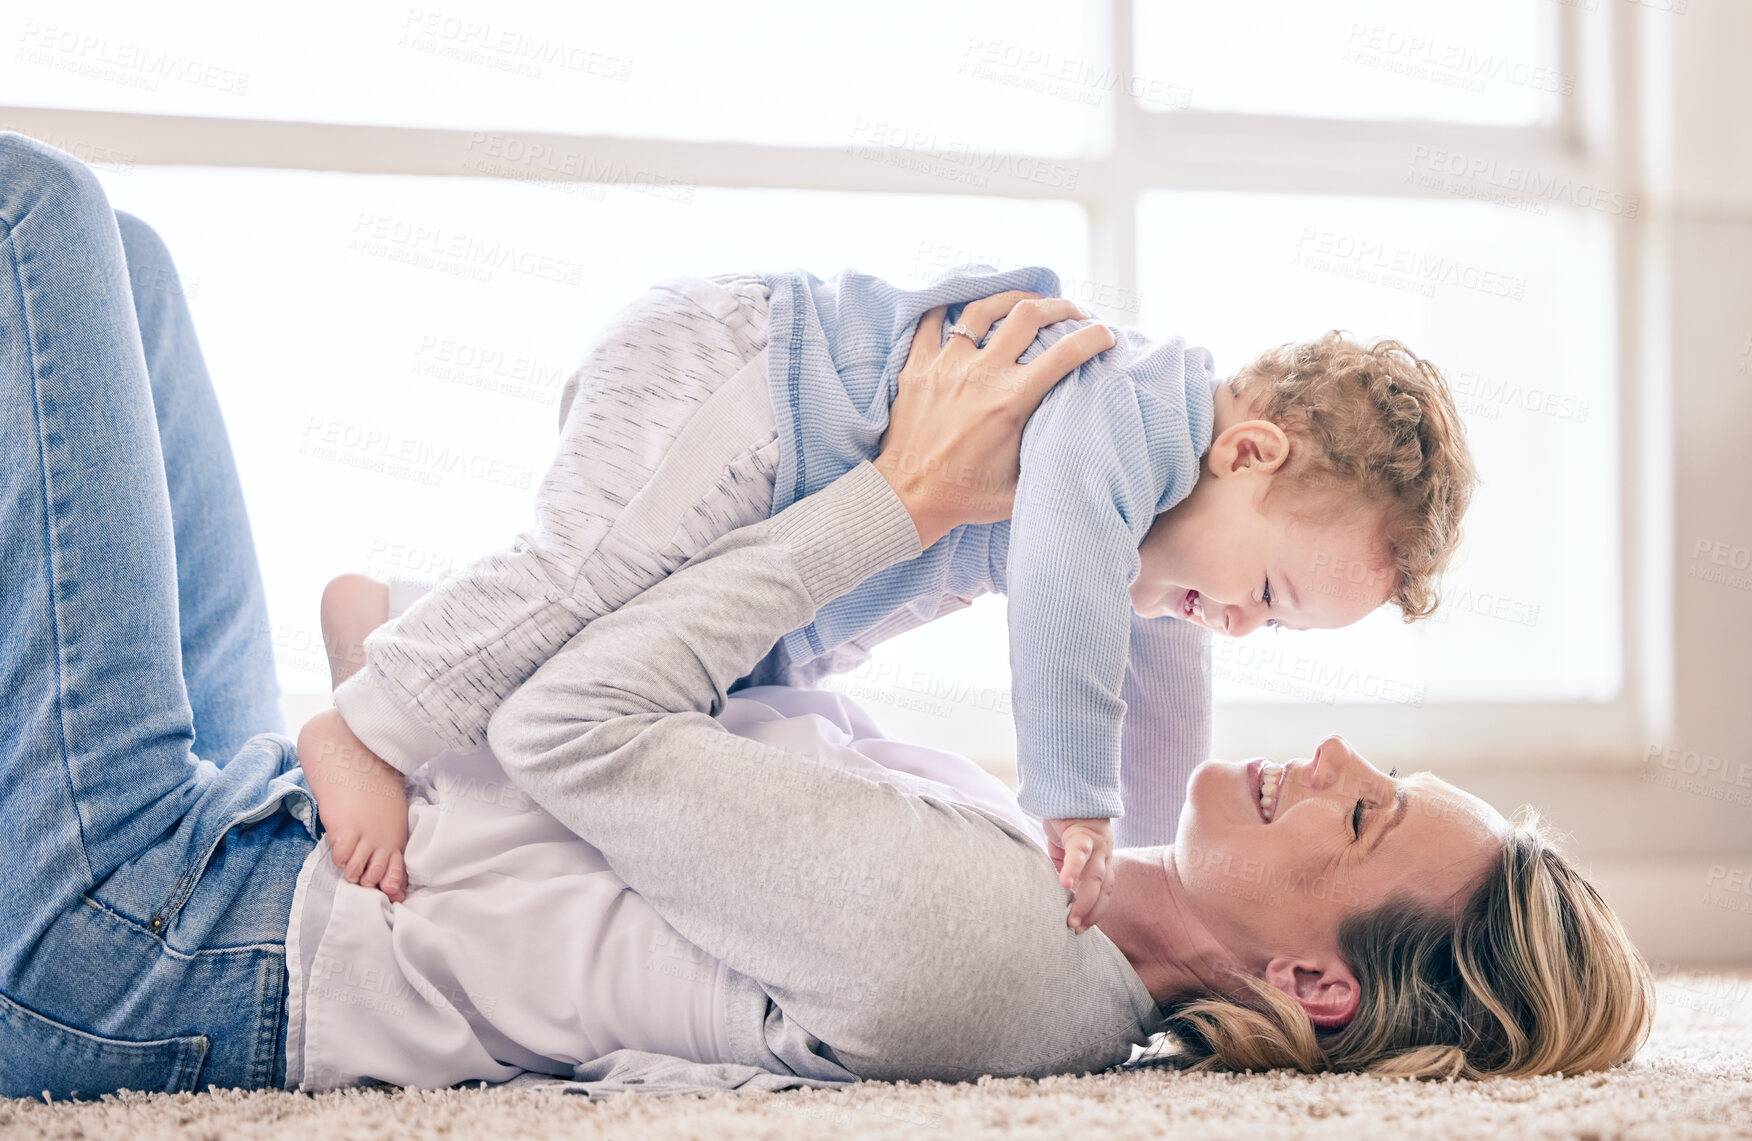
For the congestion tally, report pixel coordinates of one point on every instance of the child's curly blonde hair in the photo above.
(1378, 421)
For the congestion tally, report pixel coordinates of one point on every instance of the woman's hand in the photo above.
(953, 447)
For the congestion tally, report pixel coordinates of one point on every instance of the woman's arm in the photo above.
(916, 937)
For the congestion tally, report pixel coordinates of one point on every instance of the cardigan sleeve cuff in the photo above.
(846, 532)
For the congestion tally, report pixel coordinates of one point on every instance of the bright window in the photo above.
(351, 352)
(905, 73)
(341, 334)
(1490, 61)
(1515, 307)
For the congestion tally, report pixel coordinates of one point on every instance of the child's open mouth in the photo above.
(1192, 607)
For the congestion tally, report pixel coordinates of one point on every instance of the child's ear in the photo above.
(1254, 445)
(1328, 992)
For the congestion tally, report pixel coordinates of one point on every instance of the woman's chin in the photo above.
(1211, 790)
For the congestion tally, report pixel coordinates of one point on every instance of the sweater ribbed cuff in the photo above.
(383, 726)
(846, 532)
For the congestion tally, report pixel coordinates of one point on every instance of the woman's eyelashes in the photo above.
(1357, 812)
(1265, 596)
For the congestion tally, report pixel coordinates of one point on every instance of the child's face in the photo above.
(1229, 559)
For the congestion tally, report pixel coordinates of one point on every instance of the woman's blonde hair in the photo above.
(1535, 975)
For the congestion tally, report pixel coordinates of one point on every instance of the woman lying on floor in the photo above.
(683, 889)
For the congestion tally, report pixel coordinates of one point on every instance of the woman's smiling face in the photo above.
(1334, 835)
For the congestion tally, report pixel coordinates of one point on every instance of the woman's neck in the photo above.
(1149, 920)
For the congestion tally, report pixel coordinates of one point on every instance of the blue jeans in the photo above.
(152, 815)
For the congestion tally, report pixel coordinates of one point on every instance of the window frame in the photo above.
(1595, 136)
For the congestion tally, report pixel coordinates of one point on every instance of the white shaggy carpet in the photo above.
(1692, 1080)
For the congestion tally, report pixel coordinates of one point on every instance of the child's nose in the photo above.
(1240, 621)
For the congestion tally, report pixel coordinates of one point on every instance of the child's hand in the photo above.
(1082, 850)
(362, 802)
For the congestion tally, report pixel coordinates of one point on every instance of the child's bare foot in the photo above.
(362, 802)
(352, 606)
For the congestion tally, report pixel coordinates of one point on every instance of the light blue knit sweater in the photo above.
(1111, 447)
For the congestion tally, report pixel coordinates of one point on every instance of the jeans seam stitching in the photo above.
(48, 524)
(269, 946)
(270, 1032)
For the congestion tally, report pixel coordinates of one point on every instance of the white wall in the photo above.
(1677, 861)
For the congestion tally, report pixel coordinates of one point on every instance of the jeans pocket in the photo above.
(39, 1056)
